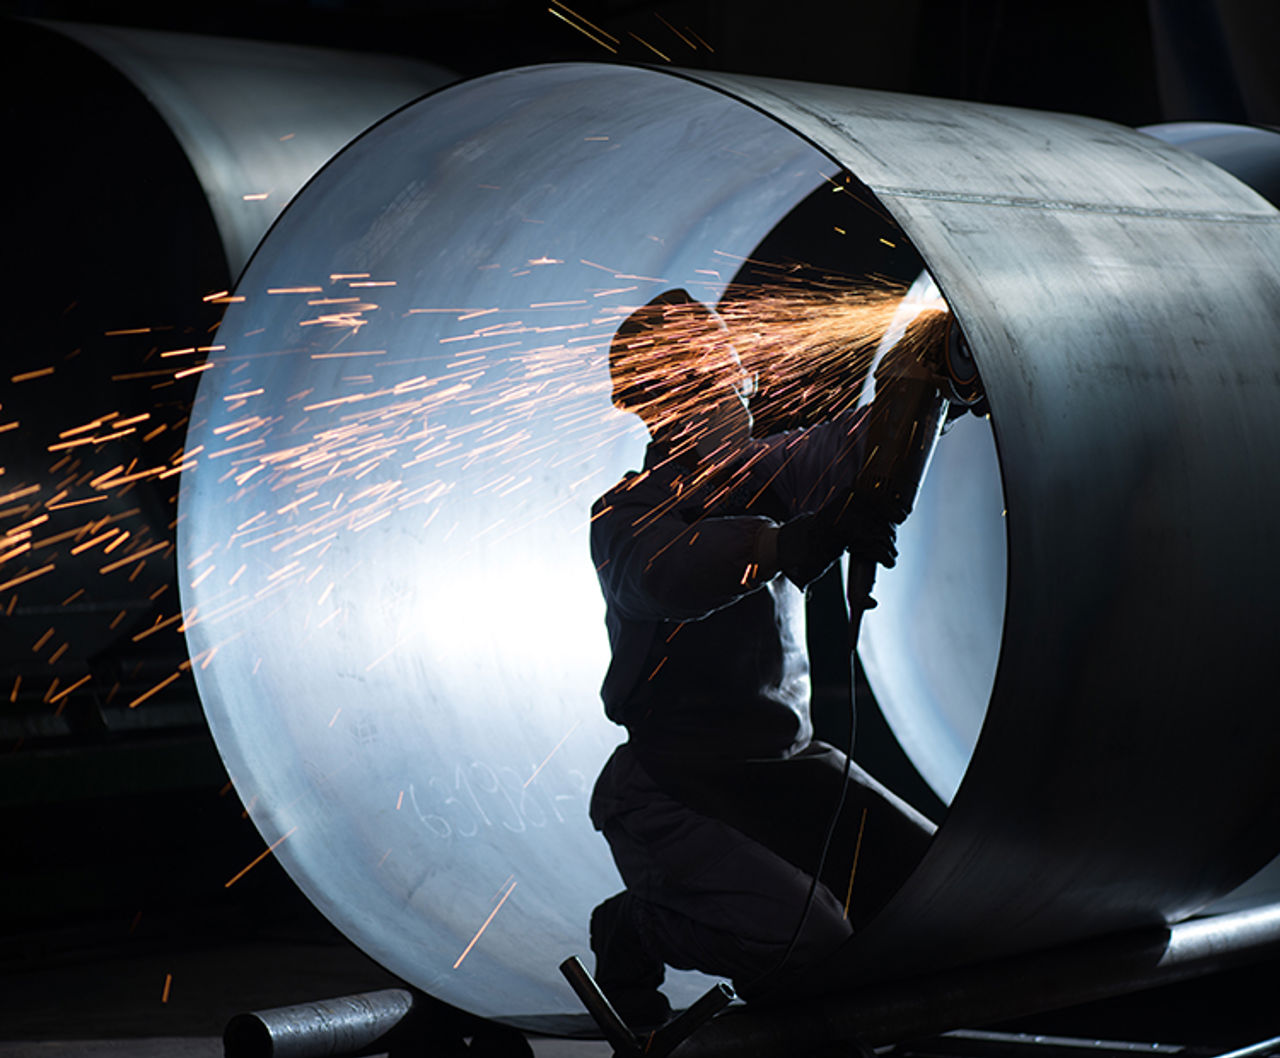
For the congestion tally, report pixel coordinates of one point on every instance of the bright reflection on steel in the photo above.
(931, 646)
(386, 541)
(391, 611)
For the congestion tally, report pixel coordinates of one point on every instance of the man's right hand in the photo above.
(808, 544)
(871, 533)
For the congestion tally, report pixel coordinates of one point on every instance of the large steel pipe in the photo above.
(987, 993)
(151, 165)
(367, 1023)
(387, 584)
(1248, 153)
(254, 119)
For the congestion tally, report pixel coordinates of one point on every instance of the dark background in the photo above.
(121, 837)
(1133, 61)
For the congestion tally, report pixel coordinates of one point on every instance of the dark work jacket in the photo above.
(709, 659)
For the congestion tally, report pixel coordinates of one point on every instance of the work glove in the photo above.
(810, 543)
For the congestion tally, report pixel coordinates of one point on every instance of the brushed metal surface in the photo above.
(408, 666)
(150, 158)
(1121, 298)
(398, 632)
(1248, 153)
(256, 119)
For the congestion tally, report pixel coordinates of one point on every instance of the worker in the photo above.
(717, 806)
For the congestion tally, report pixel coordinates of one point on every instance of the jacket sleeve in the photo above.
(655, 566)
(813, 465)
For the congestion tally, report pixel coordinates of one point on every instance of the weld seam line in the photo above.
(974, 198)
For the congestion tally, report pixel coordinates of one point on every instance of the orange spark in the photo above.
(699, 39)
(24, 577)
(69, 688)
(157, 626)
(259, 858)
(79, 548)
(692, 46)
(74, 503)
(660, 55)
(383, 657)
(479, 932)
(40, 519)
(28, 375)
(551, 754)
(191, 370)
(586, 21)
(853, 870)
(336, 356)
(124, 535)
(583, 30)
(154, 690)
(18, 494)
(119, 563)
(18, 546)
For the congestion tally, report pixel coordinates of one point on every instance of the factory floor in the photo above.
(165, 986)
(158, 998)
(154, 999)
(121, 936)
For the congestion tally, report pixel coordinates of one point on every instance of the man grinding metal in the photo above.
(717, 808)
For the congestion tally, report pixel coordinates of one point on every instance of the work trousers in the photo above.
(719, 856)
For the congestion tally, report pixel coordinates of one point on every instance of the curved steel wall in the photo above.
(385, 542)
(1119, 296)
(152, 163)
(255, 119)
(1250, 154)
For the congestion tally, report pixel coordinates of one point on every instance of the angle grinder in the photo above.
(920, 387)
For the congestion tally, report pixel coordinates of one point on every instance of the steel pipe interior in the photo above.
(397, 631)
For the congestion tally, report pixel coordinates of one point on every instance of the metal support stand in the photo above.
(368, 1023)
(625, 1043)
(397, 1022)
(1258, 1050)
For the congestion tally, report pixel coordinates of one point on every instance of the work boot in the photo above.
(625, 971)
